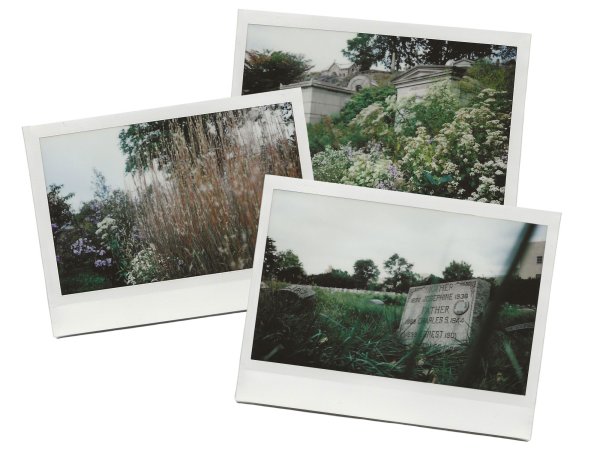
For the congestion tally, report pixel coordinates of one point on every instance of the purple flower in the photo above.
(100, 263)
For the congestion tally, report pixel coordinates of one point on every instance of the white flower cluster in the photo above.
(145, 268)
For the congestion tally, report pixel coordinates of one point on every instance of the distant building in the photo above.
(321, 99)
(329, 90)
(341, 70)
(532, 261)
(418, 80)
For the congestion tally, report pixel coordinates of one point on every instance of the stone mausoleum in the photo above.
(327, 93)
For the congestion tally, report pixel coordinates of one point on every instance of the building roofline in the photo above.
(422, 66)
(318, 84)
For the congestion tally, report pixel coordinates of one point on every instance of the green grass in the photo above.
(83, 281)
(343, 331)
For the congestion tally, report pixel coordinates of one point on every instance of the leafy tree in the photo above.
(365, 271)
(334, 278)
(401, 276)
(266, 70)
(505, 53)
(60, 209)
(440, 52)
(457, 271)
(359, 50)
(152, 144)
(400, 52)
(430, 279)
(394, 52)
(271, 259)
(289, 267)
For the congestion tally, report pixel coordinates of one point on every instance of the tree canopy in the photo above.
(400, 52)
(401, 276)
(365, 272)
(60, 209)
(457, 271)
(289, 267)
(271, 259)
(266, 70)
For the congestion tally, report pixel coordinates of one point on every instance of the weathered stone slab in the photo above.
(451, 312)
(297, 292)
(521, 326)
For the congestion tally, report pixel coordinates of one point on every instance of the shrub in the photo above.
(331, 164)
(451, 143)
(146, 266)
(368, 170)
(364, 98)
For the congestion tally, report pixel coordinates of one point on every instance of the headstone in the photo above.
(296, 299)
(450, 312)
(298, 292)
(376, 301)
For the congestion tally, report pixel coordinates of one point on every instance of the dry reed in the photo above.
(199, 212)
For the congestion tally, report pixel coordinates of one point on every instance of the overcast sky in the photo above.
(322, 47)
(326, 231)
(70, 159)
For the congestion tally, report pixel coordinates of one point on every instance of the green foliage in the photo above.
(271, 259)
(343, 331)
(146, 267)
(191, 208)
(289, 267)
(332, 132)
(267, 70)
(144, 144)
(365, 272)
(331, 165)
(488, 75)
(397, 52)
(60, 209)
(364, 98)
(522, 292)
(83, 281)
(333, 278)
(368, 170)
(453, 142)
(457, 271)
(401, 277)
(432, 112)
(360, 51)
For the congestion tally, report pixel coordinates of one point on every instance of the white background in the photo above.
(172, 385)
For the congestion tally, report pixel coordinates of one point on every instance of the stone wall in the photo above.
(321, 99)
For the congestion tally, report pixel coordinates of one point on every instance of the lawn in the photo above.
(343, 331)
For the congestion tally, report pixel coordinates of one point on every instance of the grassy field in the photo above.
(344, 331)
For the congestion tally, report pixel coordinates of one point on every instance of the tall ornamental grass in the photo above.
(199, 211)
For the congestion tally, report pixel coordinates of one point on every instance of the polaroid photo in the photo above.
(151, 216)
(413, 108)
(397, 307)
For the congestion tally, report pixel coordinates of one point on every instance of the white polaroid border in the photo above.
(387, 399)
(153, 302)
(519, 40)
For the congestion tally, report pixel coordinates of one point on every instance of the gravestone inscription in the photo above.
(450, 312)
